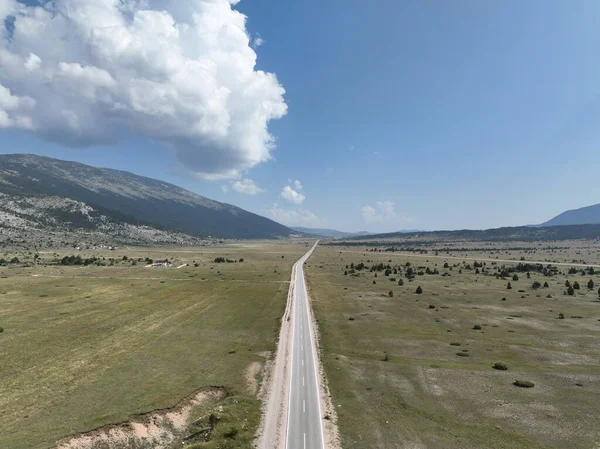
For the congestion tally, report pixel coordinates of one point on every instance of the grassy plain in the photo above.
(83, 347)
(393, 364)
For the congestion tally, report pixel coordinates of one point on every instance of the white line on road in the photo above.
(303, 406)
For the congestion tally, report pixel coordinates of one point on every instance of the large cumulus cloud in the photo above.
(180, 72)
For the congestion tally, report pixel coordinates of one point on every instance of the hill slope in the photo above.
(131, 198)
(584, 215)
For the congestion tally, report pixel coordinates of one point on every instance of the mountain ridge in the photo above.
(151, 201)
(582, 215)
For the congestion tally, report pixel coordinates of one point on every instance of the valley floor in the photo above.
(410, 370)
(87, 346)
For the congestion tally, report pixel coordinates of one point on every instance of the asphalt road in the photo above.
(304, 425)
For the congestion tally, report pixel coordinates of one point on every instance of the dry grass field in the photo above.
(86, 346)
(410, 370)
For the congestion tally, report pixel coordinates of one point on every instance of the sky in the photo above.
(377, 116)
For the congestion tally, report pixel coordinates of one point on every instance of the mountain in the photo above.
(329, 233)
(584, 215)
(124, 198)
(519, 233)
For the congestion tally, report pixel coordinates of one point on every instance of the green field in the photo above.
(83, 347)
(393, 364)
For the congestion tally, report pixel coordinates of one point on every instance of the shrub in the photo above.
(419, 290)
(536, 285)
(561, 316)
(374, 282)
(462, 354)
(391, 294)
(567, 283)
(508, 286)
(500, 366)
(345, 273)
(546, 285)
(477, 327)
(1, 330)
(523, 384)
(515, 277)
(591, 284)
(15, 260)
(385, 358)
(233, 431)
(241, 260)
(401, 282)
(576, 285)
(571, 291)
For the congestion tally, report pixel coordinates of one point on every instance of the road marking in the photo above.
(303, 406)
(302, 362)
(302, 380)
(305, 440)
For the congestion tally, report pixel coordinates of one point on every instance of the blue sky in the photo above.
(404, 115)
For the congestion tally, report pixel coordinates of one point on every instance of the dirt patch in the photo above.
(155, 430)
(251, 377)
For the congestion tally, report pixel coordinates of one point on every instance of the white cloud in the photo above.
(291, 195)
(224, 188)
(246, 186)
(383, 211)
(258, 41)
(181, 73)
(298, 185)
(293, 217)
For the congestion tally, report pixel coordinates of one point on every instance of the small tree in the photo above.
(508, 286)
(576, 285)
(571, 291)
(419, 290)
(567, 283)
(345, 273)
(546, 285)
(591, 284)
(391, 294)
(515, 277)
(401, 282)
(528, 275)
(536, 285)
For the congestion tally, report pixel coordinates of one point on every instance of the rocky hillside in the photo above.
(54, 221)
(120, 197)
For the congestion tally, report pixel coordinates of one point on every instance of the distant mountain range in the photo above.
(584, 215)
(329, 233)
(519, 233)
(45, 193)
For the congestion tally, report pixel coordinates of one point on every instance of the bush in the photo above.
(385, 358)
(536, 285)
(571, 290)
(233, 431)
(391, 294)
(477, 327)
(546, 285)
(523, 384)
(561, 316)
(15, 260)
(576, 285)
(515, 277)
(419, 290)
(1, 330)
(567, 283)
(500, 366)
(401, 283)
(345, 273)
(591, 284)
(508, 286)
(374, 282)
